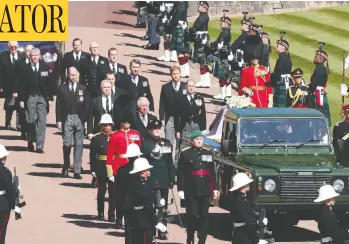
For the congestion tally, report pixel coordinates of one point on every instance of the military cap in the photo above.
(321, 53)
(126, 117)
(297, 73)
(254, 48)
(264, 35)
(256, 28)
(345, 107)
(195, 133)
(204, 4)
(284, 43)
(226, 19)
(154, 124)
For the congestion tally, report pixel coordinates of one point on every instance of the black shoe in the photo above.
(100, 216)
(151, 46)
(145, 38)
(119, 224)
(40, 151)
(111, 218)
(162, 236)
(23, 136)
(64, 173)
(30, 147)
(94, 182)
(77, 176)
(139, 25)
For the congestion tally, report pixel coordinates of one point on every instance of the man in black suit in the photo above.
(111, 78)
(192, 113)
(73, 59)
(143, 117)
(136, 85)
(92, 70)
(71, 114)
(168, 96)
(20, 68)
(112, 66)
(36, 95)
(100, 105)
(8, 83)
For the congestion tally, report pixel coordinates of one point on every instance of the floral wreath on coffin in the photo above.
(239, 102)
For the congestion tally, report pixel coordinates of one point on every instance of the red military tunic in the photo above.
(257, 82)
(117, 147)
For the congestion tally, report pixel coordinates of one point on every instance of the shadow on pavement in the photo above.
(130, 45)
(90, 224)
(156, 72)
(125, 12)
(165, 66)
(78, 185)
(203, 94)
(58, 133)
(17, 148)
(51, 125)
(128, 35)
(142, 56)
(114, 22)
(115, 233)
(80, 216)
(10, 137)
(48, 165)
(45, 174)
(297, 234)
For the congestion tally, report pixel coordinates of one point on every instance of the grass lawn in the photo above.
(303, 31)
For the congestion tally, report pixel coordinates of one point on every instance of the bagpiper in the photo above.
(318, 83)
(165, 29)
(255, 77)
(198, 34)
(297, 94)
(340, 138)
(222, 66)
(266, 50)
(158, 152)
(197, 185)
(280, 79)
(242, 214)
(327, 220)
(144, 220)
(98, 159)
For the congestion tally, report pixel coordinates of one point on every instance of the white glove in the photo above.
(263, 242)
(19, 187)
(270, 105)
(265, 221)
(161, 227)
(184, 26)
(249, 93)
(344, 89)
(215, 193)
(164, 20)
(157, 148)
(230, 56)
(17, 210)
(220, 45)
(204, 41)
(181, 194)
(162, 202)
(94, 174)
(111, 178)
(162, 7)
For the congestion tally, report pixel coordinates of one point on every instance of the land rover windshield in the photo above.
(284, 131)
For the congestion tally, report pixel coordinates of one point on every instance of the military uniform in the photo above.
(98, 158)
(317, 87)
(197, 178)
(281, 79)
(7, 200)
(158, 151)
(152, 11)
(340, 139)
(164, 28)
(297, 94)
(244, 223)
(266, 51)
(179, 15)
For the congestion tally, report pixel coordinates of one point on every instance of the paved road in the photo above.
(63, 210)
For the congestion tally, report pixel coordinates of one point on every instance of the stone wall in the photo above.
(258, 7)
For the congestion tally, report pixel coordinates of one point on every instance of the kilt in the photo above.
(324, 109)
(178, 41)
(221, 71)
(199, 54)
(279, 96)
(235, 76)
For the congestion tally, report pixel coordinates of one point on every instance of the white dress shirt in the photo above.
(104, 102)
(15, 56)
(190, 96)
(145, 121)
(115, 65)
(72, 85)
(78, 54)
(35, 66)
(135, 80)
(96, 57)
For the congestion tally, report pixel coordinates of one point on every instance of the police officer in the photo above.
(244, 223)
(7, 194)
(158, 151)
(199, 33)
(327, 219)
(98, 158)
(340, 138)
(143, 217)
(297, 94)
(281, 78)
(197, 183)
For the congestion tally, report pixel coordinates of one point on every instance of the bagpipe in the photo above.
(164, 17)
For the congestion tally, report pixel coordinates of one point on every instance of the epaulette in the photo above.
(206, 148)
(290, 87)
(185, 149)
(96, 134)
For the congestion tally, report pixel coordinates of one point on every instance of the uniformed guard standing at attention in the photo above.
(197, 184)
(7, 194)
(98, 159)
(298, 93)
(158, 152)
(72, 107)
(340, 138)
(244, 223)
(327, 219)
(318, 84)
(144, 220)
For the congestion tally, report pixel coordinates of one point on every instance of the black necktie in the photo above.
(191, 100)
(94, 61)
(107, 104)
(143, 118)
(77, 57)
(114, 68)
(36, 69)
